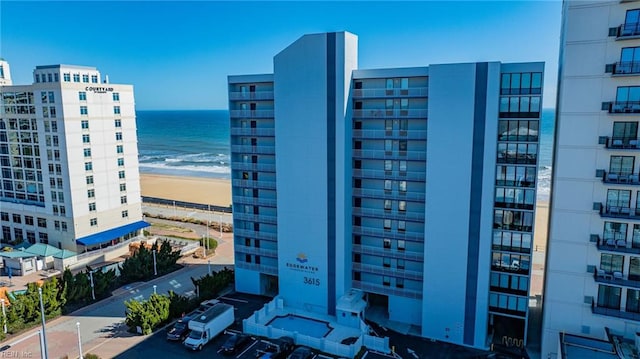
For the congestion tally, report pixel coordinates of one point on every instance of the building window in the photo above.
(28, 220)
(42, 223)
(44, 238)
(85, 78)
(387, 204)
(116, 96)
(82, 96)
(88, 166)
(17, 218)
(64, 226)
(614, 231)
(118, 136)
(609, 297)
(403, 165)
(118, 123)
(89, 179)
(84, 124)
(123, 199)
(91, 193)
(387, 185)
(123, 187)
(45, 112)
(93, 222)
(617, 198)
(125, 214)
(52, 112)
(621, 165)
(120, 162)
(402, 186)
(121, 174)
(94, 79)
(401, 244)
(387, 224)
(386, 243)
(76, 77)
(399, 283)
(83, 110)
(402, 206)
(386, 262)
(87, 152)
(92, 206)
(386, 281)
(116, 110)
(66, 77)
(86, 138)
(525, 83)
(119, 149)
(611, 262)
(56, 225)
(402, 226)
(388, 165)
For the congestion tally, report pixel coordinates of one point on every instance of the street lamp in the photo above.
(209, 263)
(154, 289)
(155, 268)
(93, 292)
(4, 316)
(45, 353)
(79, 340)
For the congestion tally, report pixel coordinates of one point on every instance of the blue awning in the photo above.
(111, 234)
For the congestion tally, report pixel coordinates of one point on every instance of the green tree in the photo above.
(148, 314)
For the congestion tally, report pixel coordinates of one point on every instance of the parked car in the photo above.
(301, 353)
(180, 329)
(234, 344)
(278, 349)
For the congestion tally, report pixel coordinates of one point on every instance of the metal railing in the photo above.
(384, 194)
(255, 95)
(248, 131)
(391, 113)
(400, 134)
(262, 218)
(613, 312)
(382, 289)
(391, 92)
(626, 67)
(609, 211)
(401, 175)
(382, 233)
(257, 267)
(625, 106)
(388, 214)
(266, 150)
(388, 252)
(612, 278)
(629, 29)
(254, 184)
(251, 113)
(393, 154)
(256, 201)
(622, 143)
(253, 234)
(258, 251)
(388, 271)
(621, 178)
(259, 167)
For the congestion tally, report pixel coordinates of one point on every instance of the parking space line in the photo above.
(235, 300)
(249, 347)
(323, 356)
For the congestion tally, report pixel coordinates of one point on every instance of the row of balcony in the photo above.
(624, 68)
(262, 218)
(249, 131)
(387, 271)
(391, 175)
(248, 233)
(390, 92)
(622, 106)
(627, 30)
(388, 194)
(623, 212)
(388, 214)
(391, 113)
(615, 244)
(251, 113)
(390, 155)
(388, 252)
(254, 184)
(251, 95)
(509, 157)
(256, 201)
(390, 134)
(263, 252)
(262, 268)
(613, 312)
(615, 278)
(265, 150)
(620, 143)
(624, 178)
(387, 290)
(382, 233)
(256, 167)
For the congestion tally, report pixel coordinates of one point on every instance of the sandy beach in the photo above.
(188, 189)
(542, 216)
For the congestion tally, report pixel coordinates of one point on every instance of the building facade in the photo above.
(593, 262)
(68, 160)
(415, 185)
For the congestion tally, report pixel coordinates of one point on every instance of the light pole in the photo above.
(154, 289)
(4, 317)
(93, 292)
(155, 267)
(79, 340)
(220, 226)
(209, 264)
(45, 354)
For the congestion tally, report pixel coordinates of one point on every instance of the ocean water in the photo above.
(196, 143)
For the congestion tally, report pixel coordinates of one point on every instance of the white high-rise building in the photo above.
(593, 260)
(68, 159)
(415, 185)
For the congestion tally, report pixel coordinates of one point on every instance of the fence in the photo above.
(182, 204)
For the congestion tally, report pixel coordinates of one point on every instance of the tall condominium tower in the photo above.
(415, 185)
(68, 159)
(593, 262)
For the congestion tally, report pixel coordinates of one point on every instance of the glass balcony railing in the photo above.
(383, 194)
(391, 92)
(251, 113)
(262, 268)
(240, 232)
(392, 175)
(626, 68)
(256, 167)
(629, 30)
(387, 134)
(615, 278)
(622, 143)
(613, 211)
(621, 178)
(613, 312)
(625, 106)
(384, 289)
(257, 251)
(388, 252)
(256, 201)
(390, 113)
(253, 184)
(248, 131)
(255, 95)
(265, 150)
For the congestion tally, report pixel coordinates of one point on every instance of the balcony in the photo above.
(251, 113)
(383, 289)
(392, 175)
(391, 92)
(256, 167)
(620, 178)
(619, 212)
(262, 218)
(509, 157)
(613, 312)
(253, 184)
(382, 113)
(256, 201)
(239, 232)
(512, 204)
(388, 252)
(388, 214)
(626, 68)
(615, 278)
(391, 134)
(390, 155)
(264, 252)
(382, 194)
(387, 271)
(622, 143)
(262, 268)
(248, 131)
(624, 106)
(620, 245)
(628, 31)
(255, 95)
(382, 233)
(264, 150)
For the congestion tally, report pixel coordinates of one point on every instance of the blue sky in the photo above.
(178, 54)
